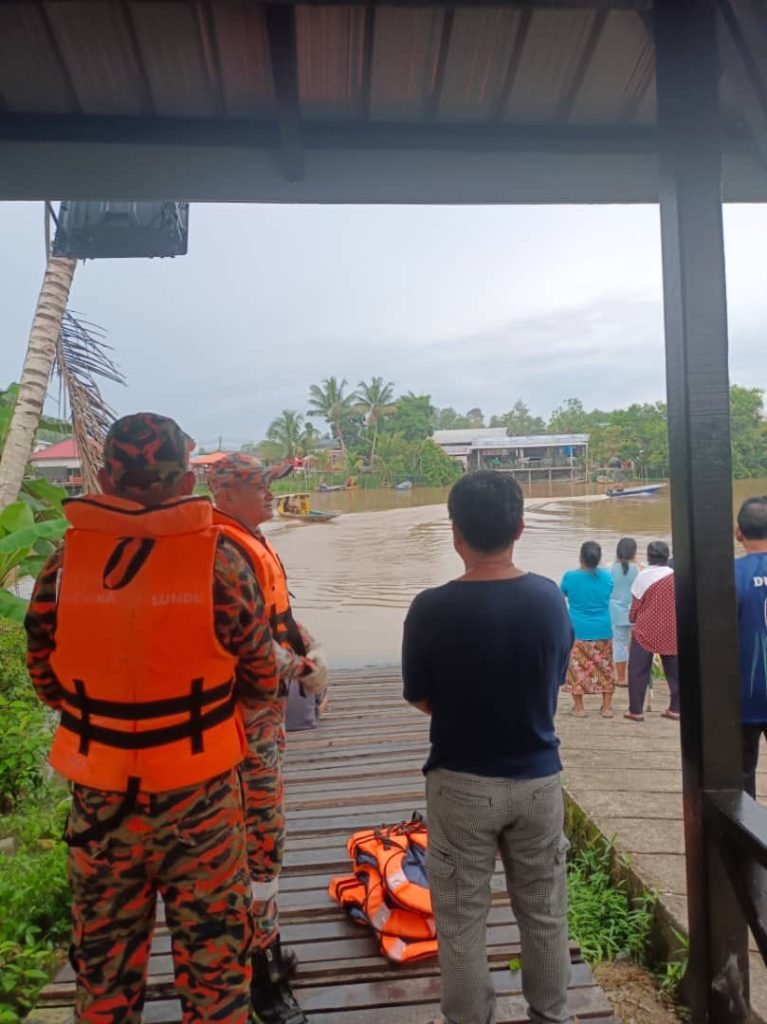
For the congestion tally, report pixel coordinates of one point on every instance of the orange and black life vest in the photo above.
(148, 689)
(388, 891)
(272, 579)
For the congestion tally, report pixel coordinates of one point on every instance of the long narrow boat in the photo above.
(298, 506)
(634, 492)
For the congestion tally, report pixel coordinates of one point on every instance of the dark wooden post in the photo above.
(699, 435)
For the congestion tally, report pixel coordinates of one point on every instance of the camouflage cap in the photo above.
(239, 468)
(146, 450)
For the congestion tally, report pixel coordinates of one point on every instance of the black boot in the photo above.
(284, 962)
(270, 994)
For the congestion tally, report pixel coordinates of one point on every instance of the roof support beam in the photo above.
(281, 30)
(697, 381)
(445, 138)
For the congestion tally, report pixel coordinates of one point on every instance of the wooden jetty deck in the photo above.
(360, 768)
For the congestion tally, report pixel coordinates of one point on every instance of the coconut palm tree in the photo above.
(289, 432)
(82, 357)
(41, 352)
(332, 403)
(375, 399)
(75, 351)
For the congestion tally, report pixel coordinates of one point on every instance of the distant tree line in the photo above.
(387, 434)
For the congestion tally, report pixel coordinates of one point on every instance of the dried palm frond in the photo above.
(81, 358)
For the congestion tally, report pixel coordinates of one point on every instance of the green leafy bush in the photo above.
(14, 681)
(34, 895)
(27, 725)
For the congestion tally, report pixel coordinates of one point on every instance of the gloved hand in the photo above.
(316, 679)
(288, 665)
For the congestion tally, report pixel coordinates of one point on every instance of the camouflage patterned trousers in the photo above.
(263, 794)
(188, 846)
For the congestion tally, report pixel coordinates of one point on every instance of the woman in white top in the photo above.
(623, 571)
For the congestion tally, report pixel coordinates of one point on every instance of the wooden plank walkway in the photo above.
(360, 768)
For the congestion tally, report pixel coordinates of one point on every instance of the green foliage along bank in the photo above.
(34, 895)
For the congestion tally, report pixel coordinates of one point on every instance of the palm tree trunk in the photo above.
(375, 441)
(340, 436)
(41, 348)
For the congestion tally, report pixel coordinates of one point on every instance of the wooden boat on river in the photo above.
(298, 506)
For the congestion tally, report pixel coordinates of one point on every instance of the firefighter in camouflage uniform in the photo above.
(145, 629)
(240, 488)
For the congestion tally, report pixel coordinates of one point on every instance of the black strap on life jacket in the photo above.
(127, 558)
(192, 729)
(102, 828)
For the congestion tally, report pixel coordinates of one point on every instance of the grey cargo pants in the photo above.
(471, 818)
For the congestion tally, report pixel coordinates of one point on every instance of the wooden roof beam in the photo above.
(207, 40)
(432, 107)
(746, 30)
(571, 96)
(58, 56)
(281, 31)
(522, 5)
(367, 59)
(148, 105)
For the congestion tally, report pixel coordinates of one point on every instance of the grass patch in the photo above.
(605, 920)
(612, 916)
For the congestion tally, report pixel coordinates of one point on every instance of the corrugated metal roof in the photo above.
(172, 58)
(348, 77)
(532, 441)
(61, 450)
(466, 436)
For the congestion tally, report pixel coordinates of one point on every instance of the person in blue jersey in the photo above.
(485, 655)
(751, 590)
(588, 590)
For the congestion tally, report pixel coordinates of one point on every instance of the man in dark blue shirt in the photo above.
(485, 656)
(751, 589)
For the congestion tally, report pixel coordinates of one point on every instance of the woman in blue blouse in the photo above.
(588, 590)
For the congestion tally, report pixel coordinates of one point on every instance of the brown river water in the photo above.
(353, 579)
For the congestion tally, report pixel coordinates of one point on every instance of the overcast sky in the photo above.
(476, 306)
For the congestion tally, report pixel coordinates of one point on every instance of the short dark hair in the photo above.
(627, 548)
(658, 552)
(591, 554)
(752, 518)
(487, 508)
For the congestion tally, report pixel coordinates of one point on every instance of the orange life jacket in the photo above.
(148, 689)
(388, 891)
(271, 576)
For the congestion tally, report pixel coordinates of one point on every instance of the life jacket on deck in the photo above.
(389, 891)
(271, 576)
(148, 689)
